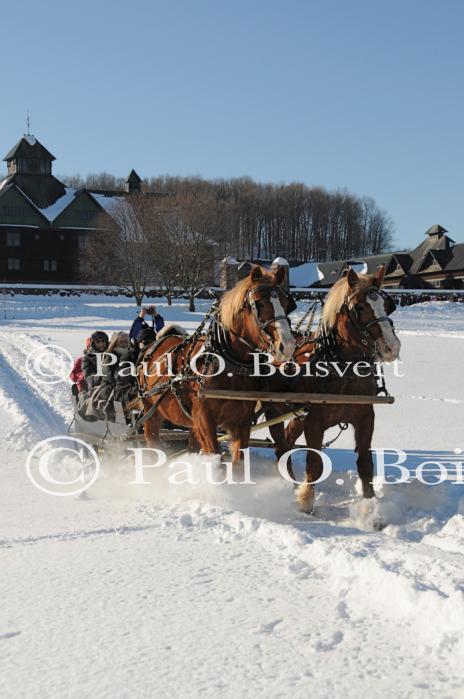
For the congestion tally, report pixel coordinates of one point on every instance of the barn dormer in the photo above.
(29, 157)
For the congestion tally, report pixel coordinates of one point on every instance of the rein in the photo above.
(328, 341)
(217, 341)
(218, 336)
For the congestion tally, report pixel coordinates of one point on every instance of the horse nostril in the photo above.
(281, 347)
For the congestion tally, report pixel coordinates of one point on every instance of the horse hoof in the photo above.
(368, 491)
(379, 524)
(307, 509)
(305, 500)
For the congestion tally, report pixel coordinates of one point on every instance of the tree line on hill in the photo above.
(252, 220)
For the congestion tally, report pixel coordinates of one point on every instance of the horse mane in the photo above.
(337, 295)
(231, 304)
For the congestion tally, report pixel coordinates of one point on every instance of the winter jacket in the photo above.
(140, 323)
(125, 386)
(77, 376)
(89, 367)
(113, 385)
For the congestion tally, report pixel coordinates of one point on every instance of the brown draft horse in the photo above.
(251, 317)
(354, 327)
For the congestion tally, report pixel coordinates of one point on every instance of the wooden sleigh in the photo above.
(120, 430)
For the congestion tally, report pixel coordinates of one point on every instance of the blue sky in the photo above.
(361, 95)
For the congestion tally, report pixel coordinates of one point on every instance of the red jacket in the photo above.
(77, 376)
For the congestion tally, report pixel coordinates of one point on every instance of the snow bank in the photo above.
(228, 590)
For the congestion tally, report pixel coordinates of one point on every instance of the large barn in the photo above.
(436, 262)
(43, 222)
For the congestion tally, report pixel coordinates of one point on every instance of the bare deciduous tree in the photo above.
(249, 220)
(94, 180)
(185, 244)
(121, 251)
(294, 220)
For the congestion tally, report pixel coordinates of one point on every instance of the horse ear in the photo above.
(256, 273)
(380, 275)
(351, 276)
(280, 276)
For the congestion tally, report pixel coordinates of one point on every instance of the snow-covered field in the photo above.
(227, 591)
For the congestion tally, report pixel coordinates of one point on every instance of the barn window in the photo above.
(13, 239)
(14, 264)
(49, 265)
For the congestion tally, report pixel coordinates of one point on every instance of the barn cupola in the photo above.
(436, 230)
(133, 184)
(438, 238)
(29, 157)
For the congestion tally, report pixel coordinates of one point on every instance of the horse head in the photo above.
(256, 311)
(358, 310)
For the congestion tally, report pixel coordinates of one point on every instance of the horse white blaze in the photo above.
(389, 345)
(285, 342)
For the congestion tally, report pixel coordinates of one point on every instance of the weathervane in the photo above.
(28, 123)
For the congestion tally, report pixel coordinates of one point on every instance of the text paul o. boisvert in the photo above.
(263, 365)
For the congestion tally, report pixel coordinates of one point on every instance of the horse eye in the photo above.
(360, 307)
(259, 304)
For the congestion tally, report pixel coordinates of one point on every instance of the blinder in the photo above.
(273, 291)
(390, 305)
(291, 304)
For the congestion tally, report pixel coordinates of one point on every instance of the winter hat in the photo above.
(99, 335)
(146, 336)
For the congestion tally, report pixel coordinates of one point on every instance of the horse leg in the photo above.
(314, 434)
(239, 439)
(280, 445)
(204, 427)
(151, 429)
(363, 425)
(193, 444)
(277, 431)
(289, 436)
(293, 430)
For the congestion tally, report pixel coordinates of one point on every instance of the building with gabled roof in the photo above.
(436, 262)
(43, 222)
(30, 170)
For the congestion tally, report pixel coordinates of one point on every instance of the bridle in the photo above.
(273, 293)
(250, 304)
(328, 341)
(363, 328)
(217, 340)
